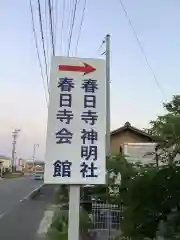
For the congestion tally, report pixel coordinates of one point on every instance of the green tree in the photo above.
(154, 193)
(154, 198)
(174, 105)
(166, 131)
(119, 173)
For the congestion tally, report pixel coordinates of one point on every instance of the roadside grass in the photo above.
(59, 226)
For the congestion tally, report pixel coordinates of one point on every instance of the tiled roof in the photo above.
(127, 126)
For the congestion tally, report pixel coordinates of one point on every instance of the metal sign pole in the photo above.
(73, 224)
(108, 113)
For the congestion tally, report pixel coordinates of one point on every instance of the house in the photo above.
(28, 168)
(5, 163)
(128, 134)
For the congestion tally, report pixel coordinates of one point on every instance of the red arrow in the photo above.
(85, 69)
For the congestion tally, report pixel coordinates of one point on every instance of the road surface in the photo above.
(12, 191)
(24, 220)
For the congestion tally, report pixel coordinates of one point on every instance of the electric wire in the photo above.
(62, 25)
(141, 47)
(56, 12)
(99, 50)
(47, 36)
(142, 50)
(81, 24)
(51, 27)
(71, 28)
(37, 50)
(69, 19)
(43, 45)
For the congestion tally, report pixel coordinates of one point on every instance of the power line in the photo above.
(141, 47)
(81, 24)
(54, 4)
(62, 25)
(51, 27)
(47, 36)
(69, 19)
(100, 48)
(53, 13)
(42, 38)
(55, 21)
(71, 28)
(37, 50)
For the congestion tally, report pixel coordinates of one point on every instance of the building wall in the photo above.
(6, 163)
(29, 167)
(118, 139)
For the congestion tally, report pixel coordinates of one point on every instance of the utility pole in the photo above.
(34, 154)
(14, 135)
(108, 112)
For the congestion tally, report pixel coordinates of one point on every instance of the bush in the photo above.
(59, 226)
(62, 195)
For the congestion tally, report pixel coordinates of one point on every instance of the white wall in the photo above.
(6, 163)
(136, 152)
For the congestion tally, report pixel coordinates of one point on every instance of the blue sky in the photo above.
(135, 96)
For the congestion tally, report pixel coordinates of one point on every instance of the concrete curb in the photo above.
(47, 220)
(45, 223)
(34, 193)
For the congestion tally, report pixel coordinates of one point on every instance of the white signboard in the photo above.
(75, 146)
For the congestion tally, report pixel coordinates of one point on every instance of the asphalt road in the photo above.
(12, 191)
(23, 221)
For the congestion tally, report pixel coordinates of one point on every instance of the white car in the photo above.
(38, 176)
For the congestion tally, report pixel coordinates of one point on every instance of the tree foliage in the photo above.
(166, 130)
(119, 173)
(150, 194)
(154, 194)
(174, 105)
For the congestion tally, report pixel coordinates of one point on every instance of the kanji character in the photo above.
(65, 115)
(89, 151)
(88, 170)
(66, 84)
(89, 116)
(89, 85)
(89, 101)
(64, 136)
(90, 135)
(62, 168)
(65, 100)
